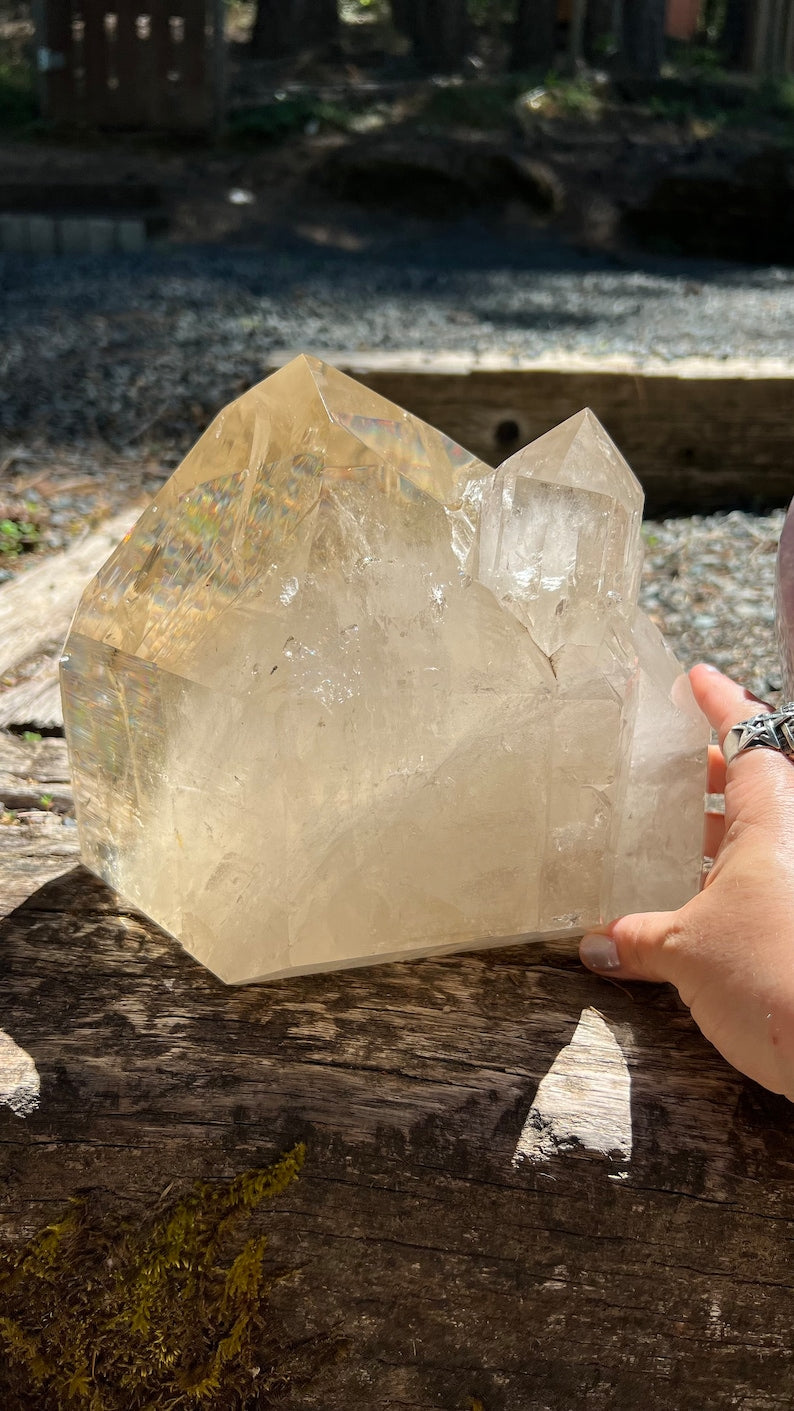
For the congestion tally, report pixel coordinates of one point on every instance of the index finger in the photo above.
(759, 783)
(723, 702)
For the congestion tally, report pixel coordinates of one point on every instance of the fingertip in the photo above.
(634, 947)
(598, 952)
(705, 679)
(722, 700)
(708, 687)
(705, 669)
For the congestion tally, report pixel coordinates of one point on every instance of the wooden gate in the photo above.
(132, 63)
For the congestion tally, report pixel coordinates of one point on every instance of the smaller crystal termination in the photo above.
(345, 694)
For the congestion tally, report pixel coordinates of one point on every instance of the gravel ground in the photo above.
(124, 349)
(709, 584)
(50, 496)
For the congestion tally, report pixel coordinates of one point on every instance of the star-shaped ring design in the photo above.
(769, 730)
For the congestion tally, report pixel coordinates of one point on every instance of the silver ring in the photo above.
(769, 730)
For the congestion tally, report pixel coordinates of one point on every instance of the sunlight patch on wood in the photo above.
(19, 1079)
(584, 1101)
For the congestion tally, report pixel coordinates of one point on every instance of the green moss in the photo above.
(102, 1315)
(17, 536)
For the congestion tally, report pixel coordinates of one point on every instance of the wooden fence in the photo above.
(132, 63)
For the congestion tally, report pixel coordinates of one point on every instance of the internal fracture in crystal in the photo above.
(345, 694)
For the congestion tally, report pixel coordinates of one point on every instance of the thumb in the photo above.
(646, 946)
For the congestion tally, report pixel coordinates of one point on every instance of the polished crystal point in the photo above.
(345, 694)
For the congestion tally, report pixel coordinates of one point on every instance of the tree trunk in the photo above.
(736, 33)
(643, 36)
(274, 29)
(440, 33)
(764, 39)
(321, 18)
(602, 25)
(405, 18)
(285, 27)
(534, 34)
(576, 31)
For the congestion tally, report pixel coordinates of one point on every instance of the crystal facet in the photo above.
(345, 694)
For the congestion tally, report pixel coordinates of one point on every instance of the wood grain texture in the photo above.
(38, 841)
(35, 612)
(32, 769)
(34, 701)
(699, 435)
(451, 1271)
(36, 608)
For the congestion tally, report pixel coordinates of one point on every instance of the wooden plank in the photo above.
(38, 839)
(128, 66)
(58, 80)
(31, 769)
(35, 846)
(194, 85)
(162, 61)
(35, 701)
(218, 68)
(193, 64)
(95, 60)
(699, 435)
(446, 1267)
(111, 101)
(35, 611)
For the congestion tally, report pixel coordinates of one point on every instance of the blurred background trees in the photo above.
(522, 34)
(289, 43)
(282, 27)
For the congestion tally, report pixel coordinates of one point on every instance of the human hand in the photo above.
(730, 950)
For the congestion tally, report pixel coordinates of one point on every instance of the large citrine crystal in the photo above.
(345, 694)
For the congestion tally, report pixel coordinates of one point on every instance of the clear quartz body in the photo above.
(345, 694)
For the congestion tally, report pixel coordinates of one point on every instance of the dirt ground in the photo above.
(599, 152)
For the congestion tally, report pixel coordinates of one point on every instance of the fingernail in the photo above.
(599, 952)
(706, 665)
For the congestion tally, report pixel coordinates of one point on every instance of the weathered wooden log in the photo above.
(32, 770)
(523, 1188)
(700, 435)
(35, 612)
